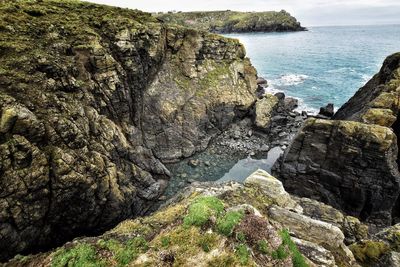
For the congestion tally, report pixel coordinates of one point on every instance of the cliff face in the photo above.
(93, 99)
(351, 162)
(232, 21)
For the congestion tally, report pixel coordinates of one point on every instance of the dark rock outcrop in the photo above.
(232, 21)
(348, 165)
(93, 99)
(351, 162)
(327, 111)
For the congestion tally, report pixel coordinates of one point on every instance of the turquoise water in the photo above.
(324, 64)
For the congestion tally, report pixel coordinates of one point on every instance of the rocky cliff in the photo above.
(351, 162)
(93, 100)
(232, 21)
(255, 224)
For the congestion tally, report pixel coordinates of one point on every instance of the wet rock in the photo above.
(262, 81)
(327, 111)
(291, 103)
(193, 163)
(281, 96)
(264, 148)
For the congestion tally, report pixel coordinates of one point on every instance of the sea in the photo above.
(319, 66)
(322, 65)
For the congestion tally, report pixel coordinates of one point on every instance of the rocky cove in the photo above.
(110, 106)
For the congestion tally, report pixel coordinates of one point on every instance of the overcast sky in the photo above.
(309, 12)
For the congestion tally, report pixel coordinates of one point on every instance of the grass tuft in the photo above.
(227, 223)
(201, 210)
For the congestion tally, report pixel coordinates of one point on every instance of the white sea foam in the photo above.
(301, 105)
(304, 107)
(291, 79)
(365, 78)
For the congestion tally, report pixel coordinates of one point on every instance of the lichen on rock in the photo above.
(94, 100)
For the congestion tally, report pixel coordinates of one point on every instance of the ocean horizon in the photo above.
(326, 64)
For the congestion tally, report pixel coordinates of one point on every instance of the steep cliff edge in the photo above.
(351, 162)
(93, 99)
(255, 224)
(232, 21)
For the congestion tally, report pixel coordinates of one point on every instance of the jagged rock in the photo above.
(290, 103)
(262, 81)
(315, 231)
(348, 165)
(92, 105)
(351, 227)
(273, 189)
(390, 260)
(377, 101)
(221, 224)
(264, 109)
(327, 111)
(317, 254)
(304, 227)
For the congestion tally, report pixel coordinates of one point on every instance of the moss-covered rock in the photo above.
(207, 225)
(93, 100)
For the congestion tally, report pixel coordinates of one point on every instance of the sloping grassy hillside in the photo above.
(232, 21)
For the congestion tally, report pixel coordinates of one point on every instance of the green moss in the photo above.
(369, 251)
(186, 242)
(224, 259)
(124, 253)
(202, 209)
(207, 241)
(165, 241)
(243, 253)
(241, 237)
(81, 255)
(280, 253)
(227, 223)
(297, 258)
(263, 247)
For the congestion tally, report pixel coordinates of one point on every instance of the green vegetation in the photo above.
(227, 223)
(81, 255)
(242, 251)
(207, 241)
(202, 209)
(231, 21)
(88, 255)
(297, 258)
(263, 247)
(369, 251)
(125, 253)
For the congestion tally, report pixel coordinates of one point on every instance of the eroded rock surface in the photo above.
(92, 105)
